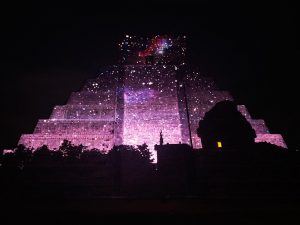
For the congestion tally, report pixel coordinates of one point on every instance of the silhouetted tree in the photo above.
(130, 167)
(124, 151)
(9, 161)
(42, 153)
(145, 153)
(22, 155)
(45, 156)
(76, 151)
(93, 155)
(65, 147)
(225, 126)
(94, 152)
(139, 153)
(57, 155)
(70, 150)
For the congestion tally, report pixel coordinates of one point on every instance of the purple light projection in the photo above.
(132, 102)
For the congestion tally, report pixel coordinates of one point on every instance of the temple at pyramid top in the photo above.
(160, 49)
(151, 90)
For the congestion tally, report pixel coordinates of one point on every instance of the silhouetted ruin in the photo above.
(225, 127)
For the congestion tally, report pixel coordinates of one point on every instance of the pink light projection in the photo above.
(152, 106)
(132, 102)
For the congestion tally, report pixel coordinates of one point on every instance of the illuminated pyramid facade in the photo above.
(152, 89)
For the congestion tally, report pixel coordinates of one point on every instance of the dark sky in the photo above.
(49, 51)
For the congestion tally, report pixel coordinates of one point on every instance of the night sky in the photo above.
(49, 51)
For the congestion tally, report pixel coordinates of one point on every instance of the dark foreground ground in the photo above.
(167, 210)
(231, 187)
